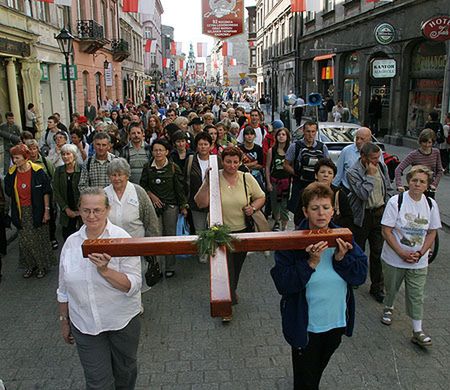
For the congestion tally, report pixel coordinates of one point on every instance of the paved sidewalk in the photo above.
(183, 348)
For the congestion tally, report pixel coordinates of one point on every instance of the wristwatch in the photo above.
(63, 318)
(254, 210)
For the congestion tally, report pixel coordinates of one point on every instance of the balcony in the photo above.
(120, 49)
(91, 35)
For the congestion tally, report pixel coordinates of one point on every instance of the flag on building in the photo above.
(233, 62)
(67, 3)
(306, 5)
(176, 48)
(166, 62)
(142, 6)
(227, 49)
(202, 49)
(251, 43)
(181, 63)
(150, 46)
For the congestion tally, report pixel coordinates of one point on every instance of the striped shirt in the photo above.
(417, 157)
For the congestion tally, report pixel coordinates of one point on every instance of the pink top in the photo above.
(416, 157)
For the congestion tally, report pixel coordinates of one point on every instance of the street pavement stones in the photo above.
(182, 347)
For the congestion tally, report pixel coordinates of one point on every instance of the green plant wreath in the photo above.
(210, 239)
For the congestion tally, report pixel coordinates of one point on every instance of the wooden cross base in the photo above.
(244, 242)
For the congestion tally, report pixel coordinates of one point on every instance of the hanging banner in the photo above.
(109, 75)
(223, 19)
(200, 69)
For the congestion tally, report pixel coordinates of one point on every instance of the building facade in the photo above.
(30, 60)
(153, 61)
(132, 42)
(277, 34)
(95, 26)
(346, 49)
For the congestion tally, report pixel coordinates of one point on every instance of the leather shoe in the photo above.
(378, 296)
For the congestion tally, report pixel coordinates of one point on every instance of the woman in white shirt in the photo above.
(409, 226)
(131, 208)
(99, 300)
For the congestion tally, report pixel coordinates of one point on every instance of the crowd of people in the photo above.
(133, 170)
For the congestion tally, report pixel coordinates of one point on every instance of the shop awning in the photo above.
(324, 57)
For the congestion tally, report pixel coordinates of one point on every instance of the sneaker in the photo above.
(28, 273)
(276, 227)
(386, 318)
(227, 319)
(421, 339)
(54, 244)
(40, 273)
(203, 259)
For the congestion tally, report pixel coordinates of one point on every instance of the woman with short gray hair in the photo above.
(131, 208)
(65, 188)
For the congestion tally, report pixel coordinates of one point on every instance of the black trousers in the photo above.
(371, 231)
(310, 362)
(71, 228)
(235, 261)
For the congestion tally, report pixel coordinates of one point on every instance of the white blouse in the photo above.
(125, 212)
(96, 306)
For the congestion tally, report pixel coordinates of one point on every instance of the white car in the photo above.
(337, 135)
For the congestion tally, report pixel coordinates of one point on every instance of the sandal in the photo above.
(28, 273)
(386, 318)
(169, 274)
(227, 319)
(40, 273)
(421, 339)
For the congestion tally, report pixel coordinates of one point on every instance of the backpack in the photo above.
(400, 201)
(305, 169)
(392, 162)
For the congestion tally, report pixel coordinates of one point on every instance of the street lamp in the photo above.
(65, 43)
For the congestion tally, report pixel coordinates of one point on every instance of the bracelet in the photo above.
(47, 208)
(63, 318)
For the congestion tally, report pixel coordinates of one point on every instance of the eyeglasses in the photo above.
(96, 212)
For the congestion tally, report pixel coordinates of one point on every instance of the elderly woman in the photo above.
(239, 202)
(317, 304)
(131, 208)
(162, 179)
(65, 188)
(54, 154)
(409, 226)
(29, 189)
(99, 300)
(424, 155)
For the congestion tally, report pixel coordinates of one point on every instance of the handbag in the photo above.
(256, 222)
(153, 274)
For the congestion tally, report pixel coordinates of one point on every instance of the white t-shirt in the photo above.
(410, 225)
(204, 165)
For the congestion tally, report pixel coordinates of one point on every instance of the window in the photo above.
(113, 24)
(148, 33)
(310, 15)
(43, 11)
(328, 5)
(252, 58)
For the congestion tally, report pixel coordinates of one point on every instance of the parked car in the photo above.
(337, 135)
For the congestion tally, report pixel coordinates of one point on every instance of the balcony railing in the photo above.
(120, 49)
(91, 35)
(89, 29)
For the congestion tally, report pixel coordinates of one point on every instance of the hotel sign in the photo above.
(437, 28)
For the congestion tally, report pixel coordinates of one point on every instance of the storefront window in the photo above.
(426, 84)
(351, 86)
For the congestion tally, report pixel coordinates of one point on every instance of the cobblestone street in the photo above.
(183, 348)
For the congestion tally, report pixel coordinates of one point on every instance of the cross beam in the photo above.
(220, 294)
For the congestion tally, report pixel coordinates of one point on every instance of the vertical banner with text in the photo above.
(223, 19)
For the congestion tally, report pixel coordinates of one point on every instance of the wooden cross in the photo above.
(220, 294)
